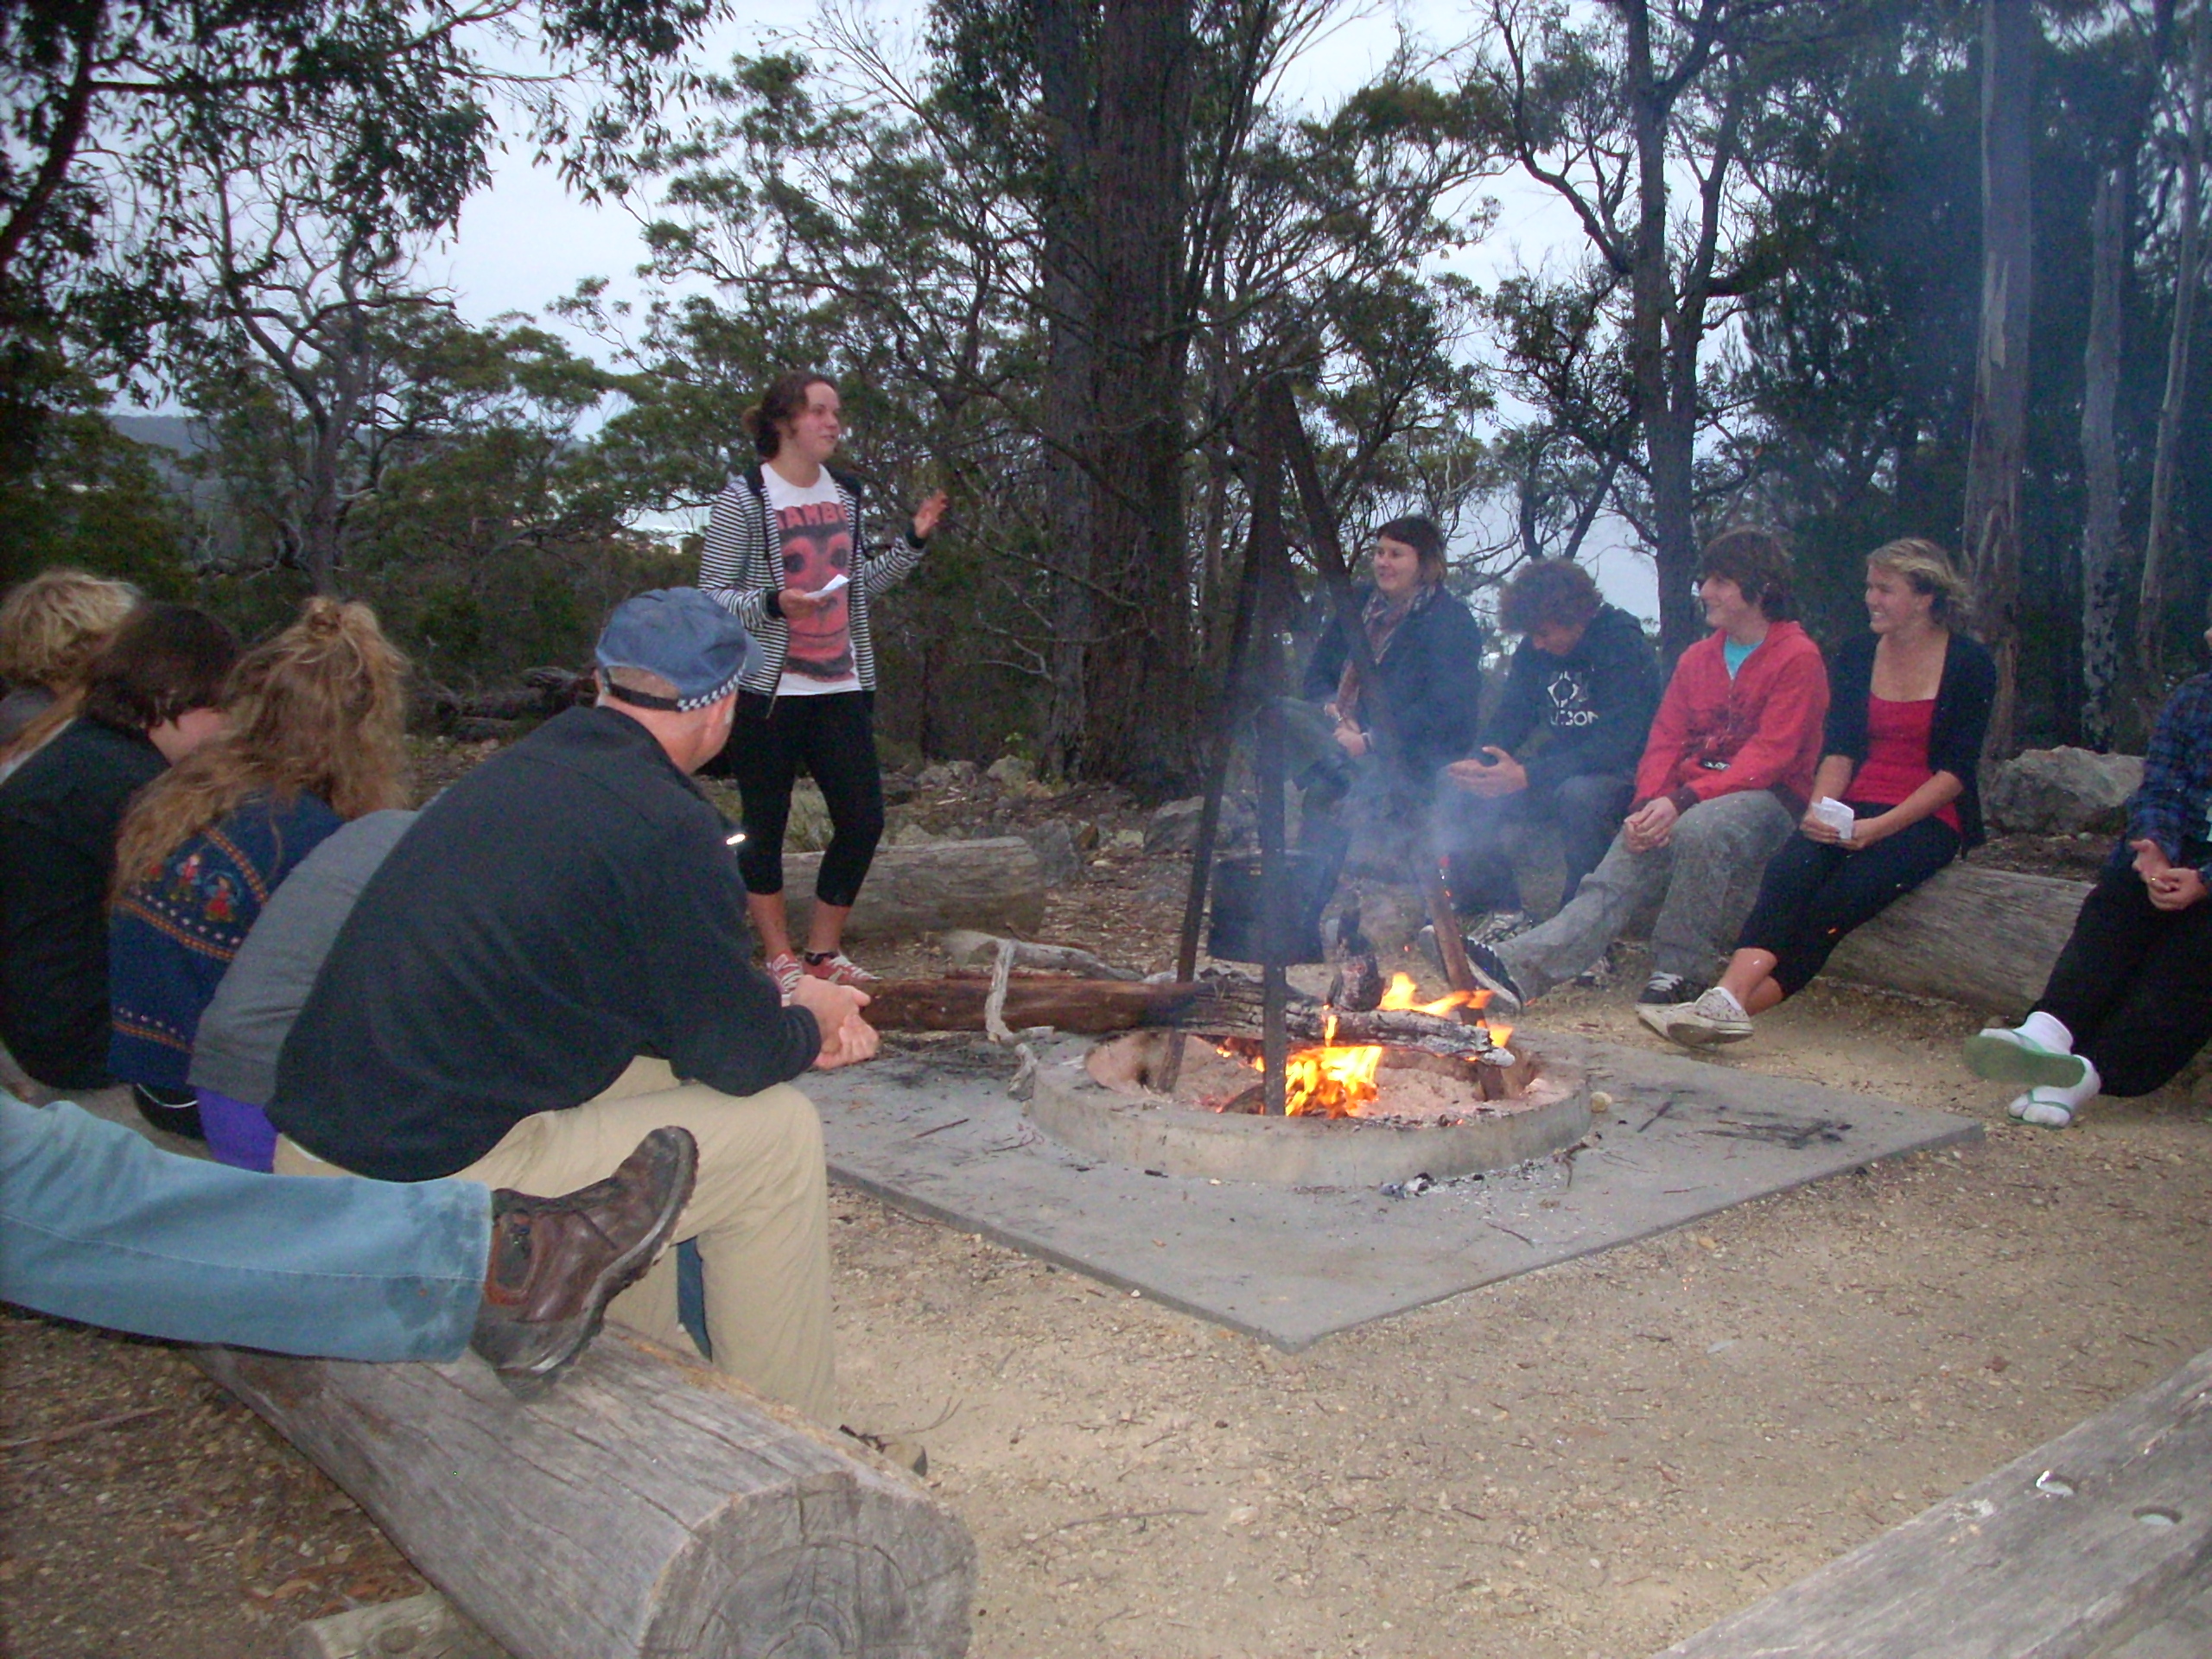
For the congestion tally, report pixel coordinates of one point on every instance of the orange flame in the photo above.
(1399, 999)
(1334, 1081)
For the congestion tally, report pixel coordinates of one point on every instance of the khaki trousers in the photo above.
(760, 1214)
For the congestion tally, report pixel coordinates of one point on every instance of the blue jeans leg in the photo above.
(98, 1225)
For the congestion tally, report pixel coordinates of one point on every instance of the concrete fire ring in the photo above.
(1154, 1133)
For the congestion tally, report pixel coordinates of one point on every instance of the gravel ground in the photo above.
(1593, 1460)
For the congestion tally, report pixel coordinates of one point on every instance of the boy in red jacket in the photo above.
(1724, 778)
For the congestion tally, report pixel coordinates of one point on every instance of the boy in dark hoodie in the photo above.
(1558, 753)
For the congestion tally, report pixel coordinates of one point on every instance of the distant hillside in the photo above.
(171, 432)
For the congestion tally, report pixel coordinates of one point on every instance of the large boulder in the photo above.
(1175, 827)
(2062, 791)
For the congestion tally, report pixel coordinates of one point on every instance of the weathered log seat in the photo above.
(1984, 937)
(643, 1506)
(2095, 1545)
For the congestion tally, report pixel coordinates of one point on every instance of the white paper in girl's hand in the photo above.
(841, 580)
(1836, 816)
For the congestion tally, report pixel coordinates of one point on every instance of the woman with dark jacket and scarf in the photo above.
(1428, 649)
(1908, 708)
(783, 552)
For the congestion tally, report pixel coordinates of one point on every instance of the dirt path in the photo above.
(1594, 1459)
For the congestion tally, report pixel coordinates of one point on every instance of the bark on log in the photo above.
(1090, 1006)
(1984, 937)
(996, 886)
(643, 1506)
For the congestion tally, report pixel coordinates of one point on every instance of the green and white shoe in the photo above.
(2003, 1055)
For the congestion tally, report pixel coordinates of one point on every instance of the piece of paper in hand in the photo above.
(1836, 816)
(841, 580)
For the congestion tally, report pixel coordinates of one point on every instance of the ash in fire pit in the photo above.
(1371, 1112)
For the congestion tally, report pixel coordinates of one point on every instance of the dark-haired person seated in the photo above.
(1428, 649)
(1725, 773)
(99, 1226)
(313, 739)
(151, 696)
(2130, 1000)
(1911, 709)
(1558, 753)
(554, 960)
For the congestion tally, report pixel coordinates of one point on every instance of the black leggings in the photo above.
(833, 736)
(1812, 894)
(2135, 982)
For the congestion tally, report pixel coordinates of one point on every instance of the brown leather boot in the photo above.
(556, 1263)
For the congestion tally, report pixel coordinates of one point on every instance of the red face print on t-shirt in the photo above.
(818, 540)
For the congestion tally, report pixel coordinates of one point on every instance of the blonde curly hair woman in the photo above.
(316, 717)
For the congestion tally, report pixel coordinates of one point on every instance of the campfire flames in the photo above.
(1339, 1080)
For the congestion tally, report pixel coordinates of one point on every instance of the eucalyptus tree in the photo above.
(1652, 124)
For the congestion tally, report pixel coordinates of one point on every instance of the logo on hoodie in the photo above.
(1571, 706)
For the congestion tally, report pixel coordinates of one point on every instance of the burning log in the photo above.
(1092, 1006)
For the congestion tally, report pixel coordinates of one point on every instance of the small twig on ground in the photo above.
(48, 1436)
(1117, 1514)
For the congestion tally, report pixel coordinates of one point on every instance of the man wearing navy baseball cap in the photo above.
(554, 961)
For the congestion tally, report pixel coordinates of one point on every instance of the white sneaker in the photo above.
(1715, 1017)
(2003, 1054)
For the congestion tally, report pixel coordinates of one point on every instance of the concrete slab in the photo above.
(936, 1134)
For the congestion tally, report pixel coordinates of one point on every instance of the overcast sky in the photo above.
(527, 242)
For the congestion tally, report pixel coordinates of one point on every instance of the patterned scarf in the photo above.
(1380, 620)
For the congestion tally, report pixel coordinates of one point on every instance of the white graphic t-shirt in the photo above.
(817, 543)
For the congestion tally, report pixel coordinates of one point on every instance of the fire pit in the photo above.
(1361, 1113)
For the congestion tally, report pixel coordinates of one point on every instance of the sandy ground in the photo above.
(1593, 1460)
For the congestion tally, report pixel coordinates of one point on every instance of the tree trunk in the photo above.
(1069, 265)
(1138, 718)
(2149, 609)
(1669, 423)
(1991, 529)
(2101, 560)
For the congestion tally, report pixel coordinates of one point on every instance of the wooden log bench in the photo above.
(2095, 1545)
(1984, 937)
(645, 1505)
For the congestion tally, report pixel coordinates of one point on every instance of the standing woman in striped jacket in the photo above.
(784, 552)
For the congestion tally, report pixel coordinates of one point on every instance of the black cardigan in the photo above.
(1431, 675)
(1961, 718)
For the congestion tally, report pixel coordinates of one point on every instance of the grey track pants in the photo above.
(1709, 871)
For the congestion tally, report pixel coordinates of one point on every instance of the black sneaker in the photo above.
(1493, 975)
(1501, 925)
(1667, 990)
(1484, 963)
(176, 1110)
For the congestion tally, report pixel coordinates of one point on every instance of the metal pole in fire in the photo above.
(1278, 900)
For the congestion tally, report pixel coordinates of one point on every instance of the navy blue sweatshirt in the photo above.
(567, 907)
(1594, 705)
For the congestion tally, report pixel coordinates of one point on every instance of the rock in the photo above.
(808, 829)
(1175, 827)
(2062, 791)
(1128, 841)
(898, 788)
(1011, 773)
(1054, 844)
(949, 774)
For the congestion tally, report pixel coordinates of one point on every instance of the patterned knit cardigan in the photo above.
(173, 933)
(741, 565)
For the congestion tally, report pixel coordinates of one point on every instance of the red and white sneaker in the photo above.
(840, 970)
(786, 970)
